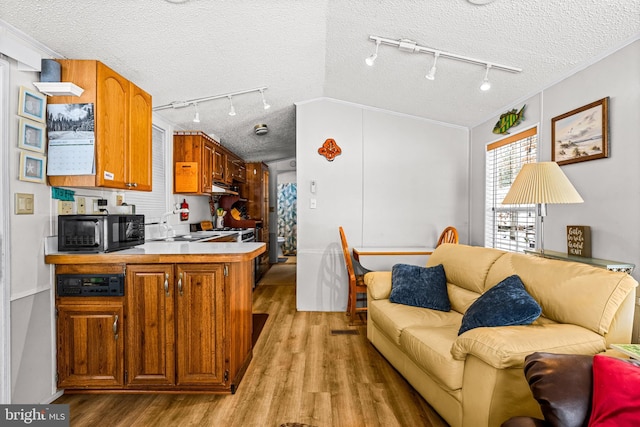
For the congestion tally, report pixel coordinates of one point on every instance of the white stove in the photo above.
(244, 234)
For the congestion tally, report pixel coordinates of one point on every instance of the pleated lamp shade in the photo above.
(542, 182)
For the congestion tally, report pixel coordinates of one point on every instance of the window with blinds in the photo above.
(509, 227)
(152, 204)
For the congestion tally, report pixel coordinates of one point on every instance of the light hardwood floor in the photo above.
(301, 372)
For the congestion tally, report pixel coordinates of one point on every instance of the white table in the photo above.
(383, 258)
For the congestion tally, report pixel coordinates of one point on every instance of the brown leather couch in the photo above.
(562, 384)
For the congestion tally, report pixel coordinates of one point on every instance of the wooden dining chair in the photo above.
(448, 235)
(357, 288)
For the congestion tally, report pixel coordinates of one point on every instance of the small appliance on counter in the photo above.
(99, 233)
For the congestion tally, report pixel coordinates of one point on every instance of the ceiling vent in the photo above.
(260, 129)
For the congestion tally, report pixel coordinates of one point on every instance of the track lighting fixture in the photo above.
(196, 117)
(372, 59)
(410, 46)
(486, 84)
(232, 111)
(264, 101)
(195, 102)
(432, 71)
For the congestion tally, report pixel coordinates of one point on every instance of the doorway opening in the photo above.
(287, 194)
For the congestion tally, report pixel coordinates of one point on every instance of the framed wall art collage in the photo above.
(32, 135)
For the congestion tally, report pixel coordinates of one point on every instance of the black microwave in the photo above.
(99, 233)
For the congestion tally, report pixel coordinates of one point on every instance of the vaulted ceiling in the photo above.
(180, 50)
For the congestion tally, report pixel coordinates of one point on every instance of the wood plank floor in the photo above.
(300, 373)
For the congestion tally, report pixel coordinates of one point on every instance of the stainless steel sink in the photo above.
(184, 238)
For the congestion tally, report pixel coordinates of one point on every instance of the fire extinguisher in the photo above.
(184, 216)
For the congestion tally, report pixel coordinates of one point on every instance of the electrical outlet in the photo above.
(119, 199)
(65, 208)
(82, 207)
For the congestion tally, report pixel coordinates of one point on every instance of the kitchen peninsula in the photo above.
(182, 320)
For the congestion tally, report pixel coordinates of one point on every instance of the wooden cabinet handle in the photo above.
(166, 284)
(115, 328)
(180, 283)
(131, 184)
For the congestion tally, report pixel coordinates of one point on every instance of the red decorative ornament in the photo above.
(330, 149)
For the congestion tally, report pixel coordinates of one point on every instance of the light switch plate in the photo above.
(65, 208)
(24, 204)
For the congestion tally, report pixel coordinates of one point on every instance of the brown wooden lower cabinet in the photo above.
(179, 327)
(90, 343)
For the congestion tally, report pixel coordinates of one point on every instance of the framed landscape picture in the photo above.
(32, 135)
(33, 104)
(32, 167)
(581, 134)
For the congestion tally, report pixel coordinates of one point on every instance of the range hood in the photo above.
(218, 189)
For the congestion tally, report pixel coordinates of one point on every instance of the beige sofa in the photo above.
(476, 379)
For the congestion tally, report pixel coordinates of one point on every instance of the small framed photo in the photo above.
(32, 167)
(581, 134)
(33, 104)
(32, 135)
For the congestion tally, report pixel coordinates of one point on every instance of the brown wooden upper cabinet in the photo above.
(236, 170)
(193, 156)
(200, 162)
(123, 131)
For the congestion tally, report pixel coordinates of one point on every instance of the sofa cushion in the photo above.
(430, 348)
(392, 318)
(419, 286)
(568, 292)
(506, 304)
(465, 266)
(616, 395)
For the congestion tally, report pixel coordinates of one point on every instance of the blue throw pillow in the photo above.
(507, 303)
(419, 286)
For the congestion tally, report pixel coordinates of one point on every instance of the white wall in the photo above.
(610, 187)
(32, 317)
(399, 181)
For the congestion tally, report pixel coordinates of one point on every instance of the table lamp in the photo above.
(541, 183)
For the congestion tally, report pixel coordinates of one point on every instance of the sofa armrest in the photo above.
(378, 284)
(507, 346)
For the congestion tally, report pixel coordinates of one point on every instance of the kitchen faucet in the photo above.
(170, 232)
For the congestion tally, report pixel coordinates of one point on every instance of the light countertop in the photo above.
(166, 252)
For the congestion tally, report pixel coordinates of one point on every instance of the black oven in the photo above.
(99, 233)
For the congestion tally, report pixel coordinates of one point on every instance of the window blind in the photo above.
(152, 204)
(509, 227)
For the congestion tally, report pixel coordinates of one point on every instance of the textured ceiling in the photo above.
(180, 50)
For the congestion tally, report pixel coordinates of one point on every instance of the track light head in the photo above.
(432, 72)
(486, 84)
(232, 111)
(196, 117)
(264, 101)
(372, 59)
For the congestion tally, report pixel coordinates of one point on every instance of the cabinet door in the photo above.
(200, 334)
(90, 346)
(207, 167)
(139, 147)
(111, 128)
(219, 165)
(150, 325)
